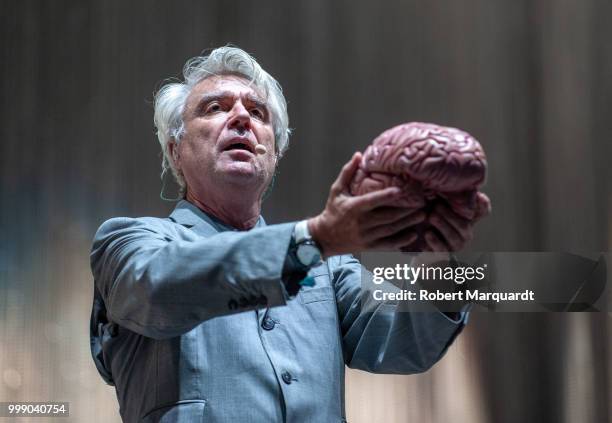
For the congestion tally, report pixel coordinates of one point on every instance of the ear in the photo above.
(173, 150)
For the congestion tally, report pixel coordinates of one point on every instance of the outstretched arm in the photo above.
(160, 282)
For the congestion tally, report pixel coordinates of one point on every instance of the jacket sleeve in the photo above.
(160, 285)
(386, 337)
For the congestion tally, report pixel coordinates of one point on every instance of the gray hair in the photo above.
(171, 98)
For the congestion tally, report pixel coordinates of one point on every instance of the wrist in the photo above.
(314, 227)
(306, 249)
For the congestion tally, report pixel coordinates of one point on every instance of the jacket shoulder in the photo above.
(117, 225)
(120, 230)
(127, 222)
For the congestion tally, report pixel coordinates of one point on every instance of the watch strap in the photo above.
(301, 232)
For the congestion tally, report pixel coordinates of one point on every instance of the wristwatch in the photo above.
(306, 250)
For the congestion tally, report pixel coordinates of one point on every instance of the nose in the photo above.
(240, 119)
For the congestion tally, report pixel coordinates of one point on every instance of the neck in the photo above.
(239, 211)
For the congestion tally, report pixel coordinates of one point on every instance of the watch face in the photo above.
(308, 254)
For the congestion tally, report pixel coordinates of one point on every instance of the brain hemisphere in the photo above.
(430, 163)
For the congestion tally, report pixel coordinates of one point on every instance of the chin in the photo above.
(242, 172)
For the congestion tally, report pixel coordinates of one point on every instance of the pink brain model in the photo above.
(431, 163)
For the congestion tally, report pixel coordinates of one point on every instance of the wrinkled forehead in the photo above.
(230, 84)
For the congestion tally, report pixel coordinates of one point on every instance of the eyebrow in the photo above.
(222, 95)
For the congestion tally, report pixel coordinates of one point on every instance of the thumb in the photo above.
(346, 174)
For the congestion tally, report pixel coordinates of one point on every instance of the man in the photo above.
(210, 315)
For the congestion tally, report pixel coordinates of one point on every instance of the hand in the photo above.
(365, 222)
(456, 232)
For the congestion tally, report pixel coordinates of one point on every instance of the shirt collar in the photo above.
(189, 215)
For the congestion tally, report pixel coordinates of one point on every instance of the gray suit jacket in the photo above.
(192, 323)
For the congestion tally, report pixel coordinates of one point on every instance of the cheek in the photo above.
(200, 136)
(271, 139)
(194, 154)
(268, 141)
(271, 164)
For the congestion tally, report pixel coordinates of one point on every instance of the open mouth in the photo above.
(240, 144)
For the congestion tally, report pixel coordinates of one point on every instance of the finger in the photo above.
(384, 197)
(434, 243)
(396, 241)
(346, 174)
(483, 206)
(384, 215)
(389, 229)
(461, 225)
(453, 238)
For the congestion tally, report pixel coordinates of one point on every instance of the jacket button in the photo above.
(268, 323)
(286, 376)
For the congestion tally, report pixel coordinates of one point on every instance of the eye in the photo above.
(212, 108)
(258, 113)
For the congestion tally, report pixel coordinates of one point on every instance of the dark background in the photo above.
(532, 80)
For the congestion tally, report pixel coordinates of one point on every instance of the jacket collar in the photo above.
(190, 216)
